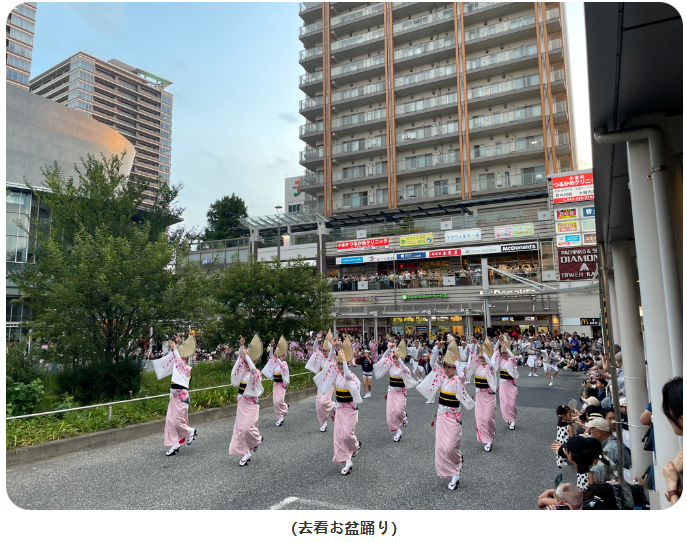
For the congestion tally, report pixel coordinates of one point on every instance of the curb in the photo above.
(29, 455)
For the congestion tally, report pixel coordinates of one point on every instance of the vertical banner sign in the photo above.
(573, 188)
(576, 264)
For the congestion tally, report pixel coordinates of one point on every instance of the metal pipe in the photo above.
(666, 239)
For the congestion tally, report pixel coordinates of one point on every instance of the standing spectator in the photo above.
(672, 409)
(574, 345)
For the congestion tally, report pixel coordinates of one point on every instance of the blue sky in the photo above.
(235, 72)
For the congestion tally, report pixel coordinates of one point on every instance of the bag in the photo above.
(648, 445)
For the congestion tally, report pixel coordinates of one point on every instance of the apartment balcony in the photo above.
(311, 108)
(311, 59)
(354, 71)
(310, 83)
(501, 62)
(434, 78)
(311, 158)
(310, 34)
(507, 152)
(508, 183)
(422, 53)
(310, 12)
(353, 203)
(358, 45)
(312, 183)
(358, 176)
(311, 132)
(416, 166)
(553, 20)
(426, 195)
(404, 9)
(338, 7)
(498, 93)
(474, 12)
(356, 150)
(555, 50)
(557, 79)
(359, 96)
(560, 112)
(426, 136)
(497, 34)
(368, 120)
(508, 121)
(357, 20)
(427, 108)
(426, 25)
(562, 144)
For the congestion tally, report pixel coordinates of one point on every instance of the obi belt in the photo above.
(396, 382)
(448, 399)
(343, 395)
(481, 382)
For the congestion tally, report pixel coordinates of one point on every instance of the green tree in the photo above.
(106, 271)
(223, 218)
(270, 299)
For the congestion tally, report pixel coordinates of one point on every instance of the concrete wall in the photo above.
(40, 131)
(307, 250)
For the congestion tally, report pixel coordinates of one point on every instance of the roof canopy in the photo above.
(297, 221)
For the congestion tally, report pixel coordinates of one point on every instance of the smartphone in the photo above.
(562, 508)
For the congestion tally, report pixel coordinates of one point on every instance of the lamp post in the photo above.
(278, 208)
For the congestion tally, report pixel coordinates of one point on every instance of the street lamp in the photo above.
(278, 208)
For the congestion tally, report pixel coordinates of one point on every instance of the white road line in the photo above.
(314, 503)
(284, 502)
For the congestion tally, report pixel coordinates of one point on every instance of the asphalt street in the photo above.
(294, 468)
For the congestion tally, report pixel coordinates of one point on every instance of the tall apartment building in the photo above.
(132, 101)
(19, 31)
(430, 103)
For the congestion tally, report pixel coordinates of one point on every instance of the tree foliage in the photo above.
(223, 218)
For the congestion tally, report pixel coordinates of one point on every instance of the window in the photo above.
(81, 63)
(441, 187)
(20, 49)
(380, 168)
(22, 23)
(533, 175)
(163, 141)
(80, 104)
(530, 142)
(128, 85)
(128, 96)
(414, 191)
(165, 159)
(81, 74)
(166, 99)
(165, 151)
(80, 94)
(166, 109)
(354, 172)
(21, 36)
(165, 176)
(382, 196)
(165, 168)
(19, 63)
(165, 117)
(165, 134)
(26, 11)
(17, 76)
(166, 126)
(355, 145)
(355, 199)
(294, 208)
(80, 85)
(420, 161)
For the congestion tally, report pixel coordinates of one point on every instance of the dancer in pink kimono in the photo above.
(323, 403)
(347, 387)
(177, 430)
(356, 349)
(482, 368)
(400, 381)
(277, 370)
(245, 437)
(507, 367)
(374, 351)
(450, 386)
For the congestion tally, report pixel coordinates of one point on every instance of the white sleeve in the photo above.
(251, 366)
(164, 366)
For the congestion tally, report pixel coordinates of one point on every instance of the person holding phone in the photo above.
(367, 365)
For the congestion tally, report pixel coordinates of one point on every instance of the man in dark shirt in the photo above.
(366, 362)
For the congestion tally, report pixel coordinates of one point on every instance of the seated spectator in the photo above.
(601, 430)
(672, 409)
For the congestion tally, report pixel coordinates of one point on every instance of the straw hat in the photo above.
(347, 350)
(187, 348)
(448, 359)
(282, 347)
(327, 340)
(254, 350)
(453, 347)
(389, 338)
(401, 350)
(488, 348)
(339, 357)
(505, 344)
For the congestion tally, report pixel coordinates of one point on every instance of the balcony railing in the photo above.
(426, 47)
(357, 66)
(506, 86)
(358, 200)
(496, 58)
(310, 102)
(358, 14)
(307, 5)
(472, 6)
(486, 151)
(310, 29)
(356, 40)
(562, 139)
(311, 128)
(505, 117)
(414, 162)
(424, 193)
(428, 132)
(311, 179)
(552, 13)
(359, 145)
(358, 118)
(310, 78)
(312, 52)
(521, 180)
(560, 107)
(434, 73)
(499, 28)
(556, 43)
(427, 103)
(350, 174)
(355, 92)
(557, 75)
(311, 153)
(424, 20)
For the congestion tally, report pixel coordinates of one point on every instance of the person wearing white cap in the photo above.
(532, 360)
(464, 354)
(414, 353)
(367, 364)
(550, 359)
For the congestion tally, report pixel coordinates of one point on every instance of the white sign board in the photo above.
(362, 285)
(457, 236)
(446, 224)
(449, 280)
(361, 233)
(569, 240)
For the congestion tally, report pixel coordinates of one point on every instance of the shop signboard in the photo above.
(416, 239)
(589, 225)
(480, 250)
(577, 263)
(349, 260)
(362, 285)
(516, 247)
(573, 188)
(566, 214)
(421, 329)
(569, 240)
(386, 257)
(456, 236)
(589, 239)
(358, 244)
(514, 231)
(590, 321)
(411, 256)
(444, 252)
(588, 212)
(568, 226)
(422, 296)
(397, 329)
(446, 224)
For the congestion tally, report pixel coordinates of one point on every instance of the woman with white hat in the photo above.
(444, 380)
(347, 388)
(400, 381)
(323, 403)
(246, 438)
(482, 367)
(277, 370)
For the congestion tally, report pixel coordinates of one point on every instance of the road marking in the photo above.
(313, 503)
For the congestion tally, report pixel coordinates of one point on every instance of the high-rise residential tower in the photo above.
(430, 103)
(131, 100)
(19, 31)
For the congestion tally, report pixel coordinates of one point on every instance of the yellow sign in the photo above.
(416, 239)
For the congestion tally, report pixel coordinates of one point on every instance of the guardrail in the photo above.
(110, 404)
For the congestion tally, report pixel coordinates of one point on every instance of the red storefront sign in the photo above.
(445, 252)
(577, 263)
(357, 244)
(573, 188)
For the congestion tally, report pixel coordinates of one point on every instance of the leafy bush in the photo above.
(101, 380)
(22, 366)
(22, 398)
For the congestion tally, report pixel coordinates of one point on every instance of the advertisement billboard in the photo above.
(567, 214)
(515, 247)
(569, 240)
(589, 225)
(358, 244)
(577, 264)
(386, 257)
(416, 239)
(411, 256)
(573, 188)
(456, 236)
(589, 239)
(514, 231)
(444, 252)
(588, 212)
(568, 226)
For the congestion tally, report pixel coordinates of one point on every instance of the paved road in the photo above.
(294, 468)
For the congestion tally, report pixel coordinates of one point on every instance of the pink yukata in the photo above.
(278, 371)
(507, 368)
(245, 437)
(485, 396)
(400, 381)
(176, 421)
(323, 403)
(374, 354)
(448, 459)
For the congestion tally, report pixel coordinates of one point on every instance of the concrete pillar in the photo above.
(334, 331)
(485, 288)
(617, 334)
(254, 240)
(628, 326)
(659, 362)
(376, 333)
(322, 232)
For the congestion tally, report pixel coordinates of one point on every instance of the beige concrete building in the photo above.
(19, 31)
